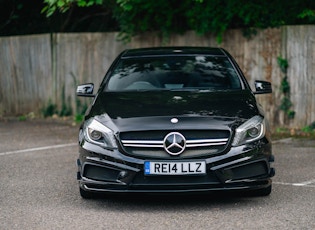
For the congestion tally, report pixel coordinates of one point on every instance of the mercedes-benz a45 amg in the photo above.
(174, 119)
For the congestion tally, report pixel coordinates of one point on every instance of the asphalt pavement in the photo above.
(38, 190)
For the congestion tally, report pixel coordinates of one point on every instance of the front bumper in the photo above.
(242, 168)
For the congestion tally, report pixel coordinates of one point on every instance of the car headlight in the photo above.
(97, 133)
(251, 130)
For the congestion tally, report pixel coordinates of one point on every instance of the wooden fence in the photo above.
(39, 70)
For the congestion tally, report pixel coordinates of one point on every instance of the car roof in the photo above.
(165, 51)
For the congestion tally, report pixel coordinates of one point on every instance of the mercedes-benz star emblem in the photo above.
(174, 143)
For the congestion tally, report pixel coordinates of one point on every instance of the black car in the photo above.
(174, 119)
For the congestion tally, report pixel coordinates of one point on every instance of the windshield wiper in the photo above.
(184, 89)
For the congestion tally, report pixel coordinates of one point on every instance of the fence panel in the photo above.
(300, 51)
(81, 58)
(25, 74)
(40, 69)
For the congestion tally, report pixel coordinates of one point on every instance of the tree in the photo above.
(131, 17)
(18, 17)
(202, 16)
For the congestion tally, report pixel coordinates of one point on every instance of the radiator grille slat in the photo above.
(149, 144)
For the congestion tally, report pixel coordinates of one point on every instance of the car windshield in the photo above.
(174, 73)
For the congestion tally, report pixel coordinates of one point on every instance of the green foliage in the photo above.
(283, 64)
(49, 110)
(53, 5)
(209, 16)
(81, 108)
(291, 114)
(310, 129)
(307, 14)
(25, 117)
(66, 109)
(132, 17)
(307, 129)
(249, 32)
(286, 103)
(22, 118)
(78, 118)
(64, 5)
(284, 132)
(285, 86)
(202, 16)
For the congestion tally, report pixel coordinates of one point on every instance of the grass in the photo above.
(305, 132)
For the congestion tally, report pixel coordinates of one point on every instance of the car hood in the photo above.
(154, 110)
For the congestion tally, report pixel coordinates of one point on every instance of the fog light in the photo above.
(122, 175)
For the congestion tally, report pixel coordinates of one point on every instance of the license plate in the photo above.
(174, 168)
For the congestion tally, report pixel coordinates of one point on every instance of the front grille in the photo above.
(150, 144)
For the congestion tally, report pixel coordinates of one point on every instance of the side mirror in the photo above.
(262, 87)
(85, 90)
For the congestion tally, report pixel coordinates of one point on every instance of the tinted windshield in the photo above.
(174, 73)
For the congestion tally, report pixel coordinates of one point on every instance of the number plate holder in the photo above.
(174, 168)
